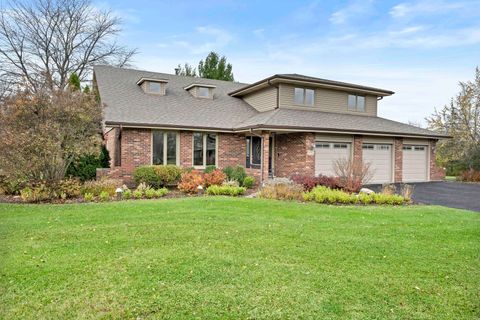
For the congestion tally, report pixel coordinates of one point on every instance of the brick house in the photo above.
(282, 125)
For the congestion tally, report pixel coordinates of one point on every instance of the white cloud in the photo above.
(429, 7)
(356, 8)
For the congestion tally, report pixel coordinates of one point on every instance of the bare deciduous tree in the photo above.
(352, 174)
(42, 42)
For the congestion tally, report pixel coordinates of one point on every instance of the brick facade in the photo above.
(398, 159)
(294, 154)
(436, 173)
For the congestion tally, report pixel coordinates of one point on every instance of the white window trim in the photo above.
(304, 97)
(177, 144)
(204, 142)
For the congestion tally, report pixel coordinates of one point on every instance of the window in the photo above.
(383, 147)
(407, 147)
(204, 149)
(203, 92)
(339, 146)
(164, 147)
(322, 145)
(367, 146)
(356, 103)
(304, 96)
(254, 152)
(419, 148)
(154, 87)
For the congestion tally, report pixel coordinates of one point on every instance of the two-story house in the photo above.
(279, 126)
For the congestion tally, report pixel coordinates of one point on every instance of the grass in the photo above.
(450, 178)
(237, 258)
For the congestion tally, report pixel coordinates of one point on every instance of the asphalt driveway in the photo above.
(450, 194)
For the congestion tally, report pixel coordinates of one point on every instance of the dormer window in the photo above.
(204, 91)
(153, 86)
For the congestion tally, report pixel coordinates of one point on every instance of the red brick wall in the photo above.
(398, 159)
(186, 149)
(136, 150)
(109, 138)
(232, 150)
(436, 173)
(357, 149)
(294, 154)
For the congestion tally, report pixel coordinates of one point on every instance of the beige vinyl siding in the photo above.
(326, 100)
(263, 100)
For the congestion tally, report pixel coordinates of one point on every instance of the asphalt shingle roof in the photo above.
(127, 104)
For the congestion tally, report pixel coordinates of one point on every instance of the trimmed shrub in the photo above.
(209, 169)
(323, 194)
(104, 196)
(137, 194)
(127, 194)
(88, 197)
(236, 173)
(216, 190)
(215, 177)
(150, 193)
(161, 192)
(248, 182)
(190, 181)
(158, 176)
(282, 191)
(98, 186)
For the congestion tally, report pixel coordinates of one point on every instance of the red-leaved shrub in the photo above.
(471, 175)
(216, 177)
(309, 182)
(190, 181)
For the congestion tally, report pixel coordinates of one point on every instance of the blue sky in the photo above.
(420, 49)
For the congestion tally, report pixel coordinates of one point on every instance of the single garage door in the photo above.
(415, 163)
(326, 153)
(380, 158)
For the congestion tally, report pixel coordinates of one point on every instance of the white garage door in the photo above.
(380, 158)
(326, 153)
(415, 162)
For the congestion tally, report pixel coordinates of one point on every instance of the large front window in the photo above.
(254, 152)
(164, 147)
(204, 149)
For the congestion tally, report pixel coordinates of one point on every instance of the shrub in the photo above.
(98, 186)
(470, 175)
(323, 194)
(216, 190)
(161, 192)
(248, 182)
(137, 194)
(40, 191)
(127, 194)
(209, 169)
(68, 188)
(150, 193)
(232, 183)
(389, 189)
(104, 196)
(352, 175)
(157, 176)
(389, 199)
(309, 182)
(282, 191)
(215, 177)
(89, 197)
(12, 186)
(190, 181)
(85, 167)
(236, 173)
(26, 194)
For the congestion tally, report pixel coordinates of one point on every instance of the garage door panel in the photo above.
(326, 153)
(415, 163)
(379, 156)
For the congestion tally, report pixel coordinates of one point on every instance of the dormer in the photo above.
(153, 86)
(200, 90)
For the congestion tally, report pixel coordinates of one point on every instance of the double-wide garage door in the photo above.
(415, 163)
(379, 158)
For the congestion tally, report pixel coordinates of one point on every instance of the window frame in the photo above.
(204, 150)
(356, 107)
(249, 154)
(165, 149)
(304, 97)
(197, 93)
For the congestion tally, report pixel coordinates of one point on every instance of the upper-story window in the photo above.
(203, 92)
(356, 103)
(154, 87)
(304, 96)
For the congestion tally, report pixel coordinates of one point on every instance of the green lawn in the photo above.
(238, 258)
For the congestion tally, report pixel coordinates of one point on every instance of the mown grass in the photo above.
(238, 258)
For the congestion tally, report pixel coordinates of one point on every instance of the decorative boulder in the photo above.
(366, 190)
